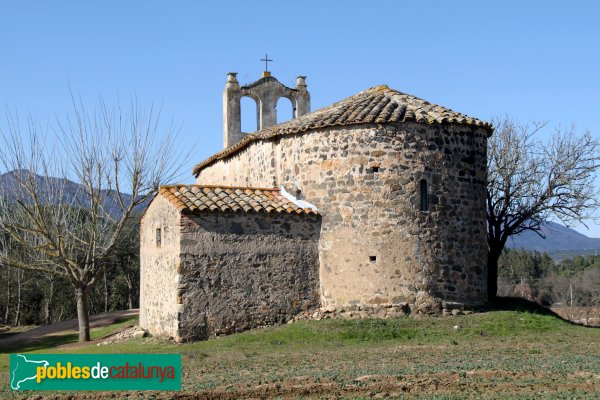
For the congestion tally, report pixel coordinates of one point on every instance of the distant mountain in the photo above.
(70, 192)
(560, 241)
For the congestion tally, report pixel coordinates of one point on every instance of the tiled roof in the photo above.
(376, 105)
(200, 198)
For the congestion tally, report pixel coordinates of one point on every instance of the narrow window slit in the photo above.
(158, 237)
(424, 195)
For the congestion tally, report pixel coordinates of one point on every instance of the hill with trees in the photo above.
(559, 242)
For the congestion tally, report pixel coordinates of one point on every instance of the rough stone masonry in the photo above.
(372, 206)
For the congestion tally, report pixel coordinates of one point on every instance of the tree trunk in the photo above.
(8, 296)
(129, 290)
(19, 290)
(83, 317)
(49, 299)
(105, 291)
(571, 311)
(492, 274)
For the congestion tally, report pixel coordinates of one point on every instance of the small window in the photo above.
(373, 259)
(158, 237)
(424, 195)
(375, 169)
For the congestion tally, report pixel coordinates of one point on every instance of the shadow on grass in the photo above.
(44, 343)
(8, 334)
(50, 341)
(526, 306)
(12, 331)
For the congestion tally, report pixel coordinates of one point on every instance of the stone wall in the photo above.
(376, 246)
(158, 268)
(244, 270)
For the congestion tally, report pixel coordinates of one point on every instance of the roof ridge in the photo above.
(215, 198)
(363, 108)
(177, 185)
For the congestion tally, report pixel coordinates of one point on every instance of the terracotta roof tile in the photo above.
(379, 104)
(200, 198)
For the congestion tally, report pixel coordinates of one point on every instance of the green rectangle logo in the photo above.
(95, 371)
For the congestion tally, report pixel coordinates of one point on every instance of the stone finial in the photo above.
(232, 82)
(301, 83)
(301, 80)
(232, 77)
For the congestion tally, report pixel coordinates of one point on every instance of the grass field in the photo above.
(517, 353)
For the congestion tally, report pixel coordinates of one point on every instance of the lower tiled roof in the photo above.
(377, 105)
(200, 198)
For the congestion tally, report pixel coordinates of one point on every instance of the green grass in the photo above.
(522, 352)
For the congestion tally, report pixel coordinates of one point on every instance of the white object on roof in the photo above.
(298, 202)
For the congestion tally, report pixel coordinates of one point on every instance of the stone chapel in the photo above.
(372, 206)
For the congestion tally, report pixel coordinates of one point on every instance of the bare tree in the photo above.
(117, 160)
(530, 181)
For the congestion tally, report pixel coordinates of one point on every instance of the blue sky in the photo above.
(534, 60)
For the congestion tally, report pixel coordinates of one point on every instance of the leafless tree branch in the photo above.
(530, 181)
(117, 160)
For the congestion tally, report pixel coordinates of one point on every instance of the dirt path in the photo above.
(37, 334)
